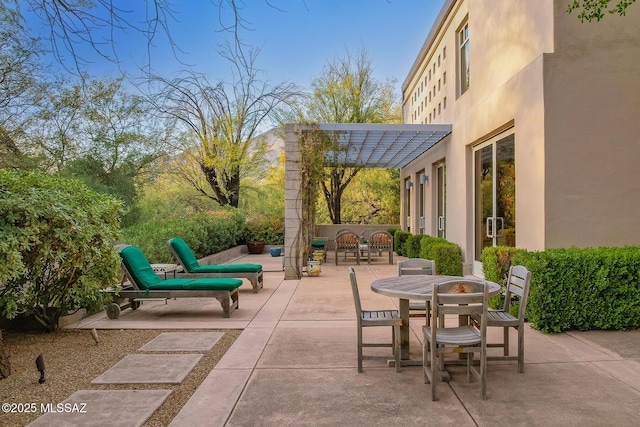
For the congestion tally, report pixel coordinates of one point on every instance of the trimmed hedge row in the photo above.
(447, 255)
(577, 289)
(205, 233)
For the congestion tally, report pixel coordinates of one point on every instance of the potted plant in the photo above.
(255, 246)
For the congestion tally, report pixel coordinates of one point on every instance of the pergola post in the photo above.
(293, 233)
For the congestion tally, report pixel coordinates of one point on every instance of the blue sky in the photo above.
(296, 37)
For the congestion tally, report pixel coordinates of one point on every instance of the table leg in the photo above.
(405, 330)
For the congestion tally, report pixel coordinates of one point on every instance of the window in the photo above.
(463, 39)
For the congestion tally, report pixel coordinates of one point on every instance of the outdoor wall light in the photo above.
(424, 178)
(408, 185)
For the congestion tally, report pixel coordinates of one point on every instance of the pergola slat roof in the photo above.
(382, 145)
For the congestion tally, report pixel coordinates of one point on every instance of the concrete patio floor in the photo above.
(295, 364)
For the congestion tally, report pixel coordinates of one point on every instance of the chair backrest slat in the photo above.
(518, 283)
(416, 266)
(355, 292)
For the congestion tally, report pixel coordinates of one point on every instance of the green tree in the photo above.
(221, 123)
(596, 9)
(104, 135)
(56, 244)
(347, 92)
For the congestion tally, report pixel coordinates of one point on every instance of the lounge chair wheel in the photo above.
(113, 311)
(135, 304)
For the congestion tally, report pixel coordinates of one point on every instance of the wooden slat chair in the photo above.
(518, 283)
(369, 318)
(379, 242)
(412, 267)
(460, 297)
(347, 242)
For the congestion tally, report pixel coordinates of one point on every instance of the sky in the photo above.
(296, 37)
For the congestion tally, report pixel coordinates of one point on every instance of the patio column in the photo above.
(292, 204)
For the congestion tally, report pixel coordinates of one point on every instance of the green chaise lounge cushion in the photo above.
(230, 268)
(147, 279)
(191, 264)
(139, 268)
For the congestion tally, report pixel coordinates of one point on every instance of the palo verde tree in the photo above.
(221, 122)
(347, 92)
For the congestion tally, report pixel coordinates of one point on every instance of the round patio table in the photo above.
(418, 287)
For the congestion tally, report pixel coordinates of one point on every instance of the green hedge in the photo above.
(205, 233)
(447, 255)
(577, 289)
(268, 230)
(399, 239)
(412, 246)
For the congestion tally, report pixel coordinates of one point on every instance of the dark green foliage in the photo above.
(205, 233)
(447, 255)
(268, 230)
(55, 244)
(399, 238)
(412, 246)
(577, 289)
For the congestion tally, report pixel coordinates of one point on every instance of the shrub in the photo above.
(268, 230)
(56, 244)
(412, 246)
(583, 288)
(205, 233)
(399, 237)
(447, 255)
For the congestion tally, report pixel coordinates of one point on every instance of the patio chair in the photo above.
(518, 283)
(368, 318)
(417, 266)
(192, 268)
(379, 242)
(347, 242)
(460, 297)
(144, 283)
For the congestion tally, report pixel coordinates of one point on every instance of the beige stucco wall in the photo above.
(592, 119)
(571, 92)
(508, 40)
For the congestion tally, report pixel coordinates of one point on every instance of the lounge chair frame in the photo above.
(134, 294)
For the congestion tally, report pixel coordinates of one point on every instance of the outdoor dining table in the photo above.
(418, 287)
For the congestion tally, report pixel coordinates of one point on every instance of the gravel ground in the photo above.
(73, 360)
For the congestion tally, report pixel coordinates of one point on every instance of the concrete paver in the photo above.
(114, 408)
(150, 368)
(183, 341)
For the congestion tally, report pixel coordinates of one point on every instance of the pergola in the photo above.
(363, 145)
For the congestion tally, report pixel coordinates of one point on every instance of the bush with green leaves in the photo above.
(583, 289)
(56, 244)
(205, 233)
(412, 246)
(447, 255)
(268, 230)
(399, 238)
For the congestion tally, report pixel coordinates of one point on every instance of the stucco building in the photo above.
(544, 149)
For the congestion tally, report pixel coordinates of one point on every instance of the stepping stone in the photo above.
(150, 368)
(183, 341)
(104, 407)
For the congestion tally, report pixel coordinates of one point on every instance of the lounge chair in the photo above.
(192, 268)
(144, 283)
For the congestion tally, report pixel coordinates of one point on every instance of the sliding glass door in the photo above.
(495, 195)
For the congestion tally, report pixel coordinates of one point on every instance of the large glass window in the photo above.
(463, 40)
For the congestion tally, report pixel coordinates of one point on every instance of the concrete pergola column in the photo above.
(293, 233)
